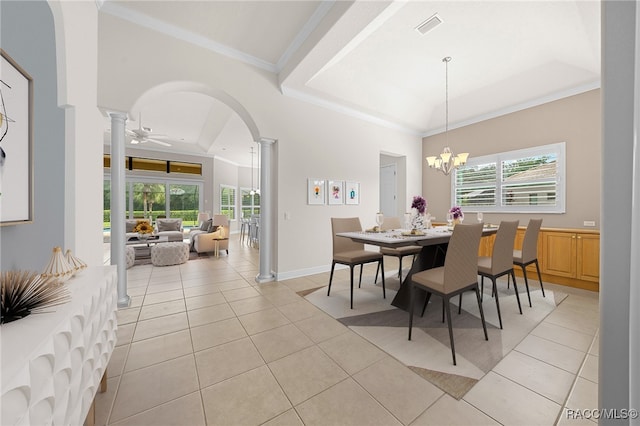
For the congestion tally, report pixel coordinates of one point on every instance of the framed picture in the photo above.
(352, 193)
(16, 143)
(316, 189)
(336, 192)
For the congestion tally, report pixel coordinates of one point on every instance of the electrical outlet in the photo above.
(589, 223)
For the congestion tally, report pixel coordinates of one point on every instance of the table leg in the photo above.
(216, 250)
(430, 257)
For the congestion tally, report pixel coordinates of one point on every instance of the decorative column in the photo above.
(266, 211)
(118, 211)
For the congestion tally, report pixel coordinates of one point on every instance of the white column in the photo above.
(118, 210)
(267, 207)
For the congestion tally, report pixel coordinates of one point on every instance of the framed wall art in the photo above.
(16, 143)
(352, 193)
(335, 192)
(316, 191)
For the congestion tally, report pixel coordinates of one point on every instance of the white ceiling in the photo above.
(366, 59)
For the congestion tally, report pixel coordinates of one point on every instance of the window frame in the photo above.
(557, 149)
(234, 207)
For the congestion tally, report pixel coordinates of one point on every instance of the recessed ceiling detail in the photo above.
(429, 24)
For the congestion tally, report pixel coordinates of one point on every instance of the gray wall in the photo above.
(27, 35)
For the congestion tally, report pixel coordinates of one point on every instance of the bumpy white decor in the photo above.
(130, 253)
(52, 363)
(166, 254)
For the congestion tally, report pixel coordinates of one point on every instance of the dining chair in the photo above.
(391, 223)
(499, 263)
(459, 274)
(529, 253)
(351, 253)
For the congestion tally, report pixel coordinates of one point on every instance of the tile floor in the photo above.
(202, 343)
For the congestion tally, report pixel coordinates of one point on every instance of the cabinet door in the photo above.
(588, 252)
(559, 254)
(486, 245)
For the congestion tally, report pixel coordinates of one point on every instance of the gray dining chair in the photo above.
(499, 263)
(529, 253)
(459, 274)
(391, 223)
(351, 253)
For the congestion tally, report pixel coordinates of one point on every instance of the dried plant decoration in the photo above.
(74, 262)
(58, 267)
(25, 292)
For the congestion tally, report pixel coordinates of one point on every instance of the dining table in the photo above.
(434, 242)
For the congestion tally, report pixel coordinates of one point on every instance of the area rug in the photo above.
(428, 354)
(145, 259)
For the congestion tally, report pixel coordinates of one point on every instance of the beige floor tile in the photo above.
(352, 352)
(224, 361)
(288, 418)
(306, 373)
(449, 411)
(595, 346)
(204, 300)
(210, 314)
(250, 305)
(118, 358)
(510, 403)
(159, 326)
(104, 401)
(125, 334)
(158, 349)
(127, 315)
(282, 296)
(149, 387)
(159, 288)
(405, 394)
(279, 342)
(217, 333)
(263, 320)
(232, 284)
(572, 417)
(186, 410)
(545, 379)
(346, 403)
(584, 322)
(589, 369)
(251, 398)
(300, 284)
(134, 291)
(584, 395)
(553, 353)
(201, 281)
(240, 293)
(321, 327)
(200, 290)
(165, 296)
(565, 336)
(299, 310)
(161, 309)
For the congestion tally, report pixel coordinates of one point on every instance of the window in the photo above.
(524, 181)
(228, 201)
(250, 203)
(153, 165)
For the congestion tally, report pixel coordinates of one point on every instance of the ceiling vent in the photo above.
(429, 24)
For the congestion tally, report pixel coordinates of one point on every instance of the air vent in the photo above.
(429, 24)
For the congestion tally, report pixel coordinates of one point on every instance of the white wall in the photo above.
(311, 141)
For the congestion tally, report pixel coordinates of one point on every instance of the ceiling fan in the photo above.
(145, 134)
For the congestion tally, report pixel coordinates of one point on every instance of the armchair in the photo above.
(206, 241)
(170, 227)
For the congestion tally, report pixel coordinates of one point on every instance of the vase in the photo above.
(76, 263)
(418, 221)
(58, 267)
(143, 237)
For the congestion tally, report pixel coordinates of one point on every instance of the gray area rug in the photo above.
(428, 354)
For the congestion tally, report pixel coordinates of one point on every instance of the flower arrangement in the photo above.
(419, 203)
(457, 212)
(143, 227)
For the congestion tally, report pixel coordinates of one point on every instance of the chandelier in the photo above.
(255, 190)
(447, 160)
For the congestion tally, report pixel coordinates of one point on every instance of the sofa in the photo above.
(171, 228)
(203, 239)
(129, 226)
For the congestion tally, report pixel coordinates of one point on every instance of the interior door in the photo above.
(388, 190)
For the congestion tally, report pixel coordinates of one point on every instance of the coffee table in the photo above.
(143, 246)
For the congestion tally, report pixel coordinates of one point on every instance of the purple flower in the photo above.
(419, 204)
(457, 212)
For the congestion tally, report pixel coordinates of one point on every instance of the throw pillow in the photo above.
(213, 228)
(169, 225)
(206, 225)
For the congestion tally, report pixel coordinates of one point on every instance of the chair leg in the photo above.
(495, 291)
(515, 288)
(351, 270)
(460, 304)
(481, 287)
(360, 280)
(333, 265)
(508, 280)
(526, 282)
(448, 309)
(375, 281)
(384, 291)
(426, 301)
(539, 277)
(484, 324)
(411, 301)
(443, 308)
(400, 269)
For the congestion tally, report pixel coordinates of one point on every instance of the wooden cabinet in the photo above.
(571, 254)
